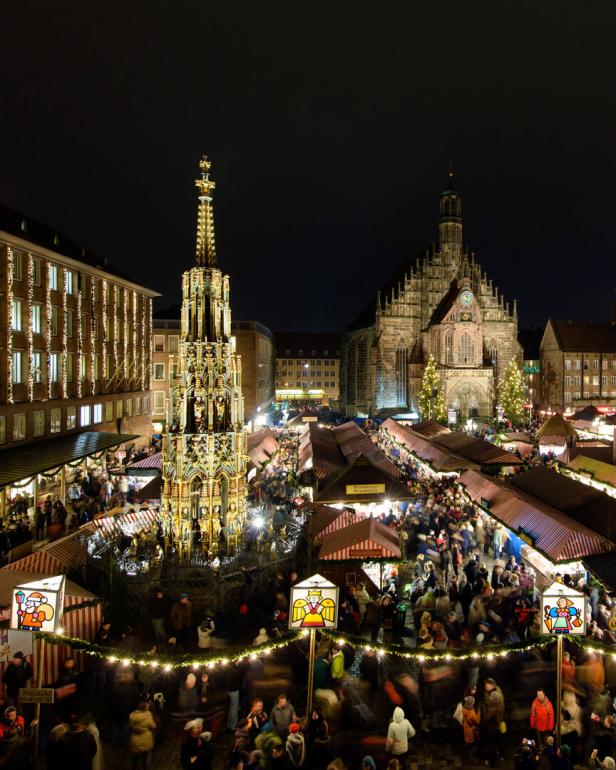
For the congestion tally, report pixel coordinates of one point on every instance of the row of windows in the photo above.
(576, 395)
(307, 362)
(89, 414)
(55, 360)
(588, 380)
(172, 344)
(314, 372)
(313, 353)
(327, 384)
(589, 364)
(17, 321)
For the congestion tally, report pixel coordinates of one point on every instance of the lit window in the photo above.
(17, 263)
(17, 366)
(55, 424)
(159, 402)
(95, 373)
(128, 408)
(71, 417)
(119, 408)
(108, 411)
(53, 277)
(36, 319)
(38, 427)
(84, 415)
(159, 372)
(173, 343)
(83, 368)
(567, 396)
(19, 427)
(567, 380)
(2, 429)
(37, 368)
(16, 315)
(69, 282)
(97, 413)
(146, 405)
(137, 405)
(159, 343)
(567, 363)
(595, 363)
(36, 272)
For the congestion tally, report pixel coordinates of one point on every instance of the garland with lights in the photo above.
(115, 330)
(92, 337)
(134, 346)
(49, 314)
(64, 332)
(104, 331)
(79, 346)
(9, 323)
(29, 334)
(125, 333)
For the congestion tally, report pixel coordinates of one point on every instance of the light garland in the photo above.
(49, 314)
(92, 336)
(115, 330)
(125, 333)
(29, 337)
(79, 344)
(64, 331)
(9, 323)
(134, 347)
(104, 332)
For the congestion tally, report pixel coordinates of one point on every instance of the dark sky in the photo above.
(331, 126)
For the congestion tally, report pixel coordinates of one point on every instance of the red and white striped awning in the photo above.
(365, 539)
(153, 461)
(114, 521)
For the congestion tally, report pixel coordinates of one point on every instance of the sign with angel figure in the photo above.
(563, 610)
(314, 604)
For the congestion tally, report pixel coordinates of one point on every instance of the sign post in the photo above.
(314, 604)
(563, 612)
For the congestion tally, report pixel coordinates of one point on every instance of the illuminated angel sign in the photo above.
(314, 604)
(563, 610)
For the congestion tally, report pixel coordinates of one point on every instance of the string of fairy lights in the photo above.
(29, 329)
(490, 654)
(93, 322)
(48, 327)
(10, 274)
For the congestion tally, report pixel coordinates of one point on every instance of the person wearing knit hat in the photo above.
(368, 763)
(295, 746)
(470, 727)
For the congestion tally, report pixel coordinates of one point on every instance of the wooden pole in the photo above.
(40, 662)
(559, 684)
(313, 637)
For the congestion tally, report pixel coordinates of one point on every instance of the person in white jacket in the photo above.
(398, 734)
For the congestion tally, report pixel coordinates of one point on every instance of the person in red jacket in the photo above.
(542, 718)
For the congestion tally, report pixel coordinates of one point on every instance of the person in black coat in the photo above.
(81, 747)
(17, 674)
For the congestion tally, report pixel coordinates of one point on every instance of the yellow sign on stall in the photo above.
(365, 489)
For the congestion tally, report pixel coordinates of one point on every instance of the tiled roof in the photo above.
(366, 533)
(439, 458)
(22, 462)
(477, 450)
(362, 472)
(600, 471)
(585, 336)
(430, 429)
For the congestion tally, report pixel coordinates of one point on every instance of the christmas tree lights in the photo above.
(431, 401)
(511, 393)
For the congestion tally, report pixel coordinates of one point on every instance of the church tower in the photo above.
(450, 222)
(204, 445)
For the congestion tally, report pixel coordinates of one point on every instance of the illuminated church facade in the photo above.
(441, 304)
(204, 445)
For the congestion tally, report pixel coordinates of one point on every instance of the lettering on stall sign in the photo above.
(365, 489)
(365, 553)
(36, 694)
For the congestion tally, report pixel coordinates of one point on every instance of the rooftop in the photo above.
(585, 336)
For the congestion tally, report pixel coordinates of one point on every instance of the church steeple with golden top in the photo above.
(204, 445)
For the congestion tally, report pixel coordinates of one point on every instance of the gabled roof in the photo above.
(362, 473)
(321, 517)
(430, 429)
(367, 533)
(353, 441)
(585, 336)
(445, 305)
(602, 472)
(477, 450)
(556, 425)
(438, 458)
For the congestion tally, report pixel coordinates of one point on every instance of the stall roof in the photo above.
(439, 458)
(152, 461)
(353, 441)
(10, 579)
(430, 429)
(602, 472)
(555, 533)
(324, 517)
(362, 473)
(586, 505)
(22, 462)
(261, 446)
(475, 449)
(556, 425)
(603, 567)
(151, 490)
(367, 537)
(522, 438)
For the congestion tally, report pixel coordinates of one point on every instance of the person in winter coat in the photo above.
(204, 632)
(142, 727)
(470, 727)
(282, 715)
(542, 718)
(398, 734)
(81, 748)
(295, 746)
(261, 637)
(17, 674)
(492, 712)
(181, 619)
(336, 669)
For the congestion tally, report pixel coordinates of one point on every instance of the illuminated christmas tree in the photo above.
(511, 393)
(431, 401)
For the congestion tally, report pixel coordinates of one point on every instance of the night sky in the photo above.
(331, 127)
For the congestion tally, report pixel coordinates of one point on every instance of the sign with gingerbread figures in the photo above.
(563, 610)
(38, 606)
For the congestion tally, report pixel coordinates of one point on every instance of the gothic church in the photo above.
(441, 304)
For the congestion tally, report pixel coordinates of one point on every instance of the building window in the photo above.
(16, 315)
(577, 395)
(577, 380)
(137, 405)
(567, 380)
(159, 343)
(69, 323)
(84, 415)
(128, 408)
(17, 265)
(71, 417)
(55, 424)
(567, 397)
(36, 271)
(68, 363)
(17, 367)
(595, 380)
(173, 343)
(53, 277)
(567, 363)
(19, 427)
(159, 402)
(146, 405)
(97, 413)
(466, 354)
(119, 408)
(613, 380)
(107, 329)
(2, 429)
(595, 364)
(578, 364)
(53, 367)
(604, 363)
(54, 321)
(70, 282)
(36, 319)
(159, 372)
(37, 368)
(38, 427)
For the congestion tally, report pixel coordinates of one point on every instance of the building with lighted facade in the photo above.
(440, 304)
(204, 442)
(308, 369)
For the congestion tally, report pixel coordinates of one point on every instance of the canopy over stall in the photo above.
(366, 539)
(362, 482)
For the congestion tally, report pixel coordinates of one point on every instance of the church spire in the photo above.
(450, 220)
(206, 245)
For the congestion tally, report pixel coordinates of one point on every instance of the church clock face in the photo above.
(466, 298)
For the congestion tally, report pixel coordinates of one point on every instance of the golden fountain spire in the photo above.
(206, 245)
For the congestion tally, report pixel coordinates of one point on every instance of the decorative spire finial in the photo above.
(206, 245)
